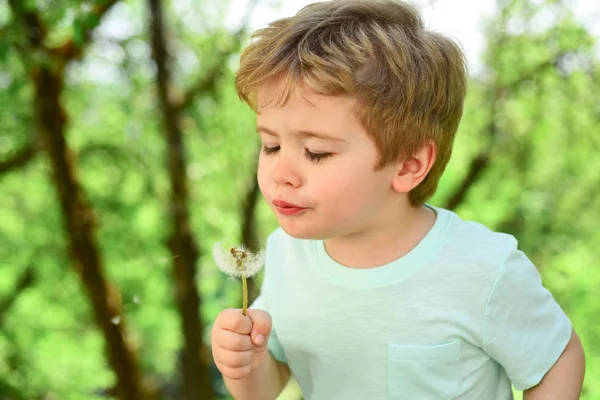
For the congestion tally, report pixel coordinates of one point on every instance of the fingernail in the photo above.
(259, 339)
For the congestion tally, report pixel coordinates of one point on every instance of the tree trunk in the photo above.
(80, 226)
(196, 377)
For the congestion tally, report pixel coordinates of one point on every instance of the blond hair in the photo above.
(409, 83)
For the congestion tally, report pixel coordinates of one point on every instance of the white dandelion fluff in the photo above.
(239, 262)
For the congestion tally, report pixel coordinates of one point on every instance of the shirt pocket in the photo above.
(424, 372)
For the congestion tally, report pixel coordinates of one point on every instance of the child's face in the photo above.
(332, 180)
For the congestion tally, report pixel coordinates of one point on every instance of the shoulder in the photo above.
(478, 238)
(476, 249)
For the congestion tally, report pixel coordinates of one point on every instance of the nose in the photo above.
(285, 173)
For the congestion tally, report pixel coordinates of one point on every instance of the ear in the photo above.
(413, 170)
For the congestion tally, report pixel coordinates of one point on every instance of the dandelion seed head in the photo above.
(238, 261)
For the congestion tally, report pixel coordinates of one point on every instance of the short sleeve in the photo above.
(262, 303)
(524, 328)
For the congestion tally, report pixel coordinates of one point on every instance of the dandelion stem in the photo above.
(240, 262)
(244, 294)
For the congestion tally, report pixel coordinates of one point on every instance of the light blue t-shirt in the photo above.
(461, 316)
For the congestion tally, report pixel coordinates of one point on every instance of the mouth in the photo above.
(286, 208)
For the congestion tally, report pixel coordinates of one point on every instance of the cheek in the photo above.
(339, 192)
(349, 193)
(263, 176)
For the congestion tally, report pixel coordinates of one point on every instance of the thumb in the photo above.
(261, 326)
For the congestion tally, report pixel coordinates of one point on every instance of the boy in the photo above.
(370, 293)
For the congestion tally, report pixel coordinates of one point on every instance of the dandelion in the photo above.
(239, 262)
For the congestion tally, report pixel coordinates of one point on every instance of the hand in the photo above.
(239, 343)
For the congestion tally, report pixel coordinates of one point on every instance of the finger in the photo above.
(234, 359)
(232, 341)
(233, 320)
(261, 326)
(235, 373)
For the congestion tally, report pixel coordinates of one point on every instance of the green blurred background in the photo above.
(125, 154)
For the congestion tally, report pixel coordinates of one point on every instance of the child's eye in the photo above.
(316, 156)
(270, 150)
(309, 154)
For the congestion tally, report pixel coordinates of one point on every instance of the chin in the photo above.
(303, 232)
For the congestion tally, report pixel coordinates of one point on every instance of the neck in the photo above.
(390, 239)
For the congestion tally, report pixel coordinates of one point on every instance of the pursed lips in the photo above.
(285, 204)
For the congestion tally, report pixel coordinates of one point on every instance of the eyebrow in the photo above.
(304, 134)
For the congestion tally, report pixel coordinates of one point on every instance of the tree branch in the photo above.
(209, 78)
(20, 159)
(71, 49)
(481, 161)
(27, 154)
(550, 62)
(478, 164)
(26, 279)
(32, 22)
(74, 47)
